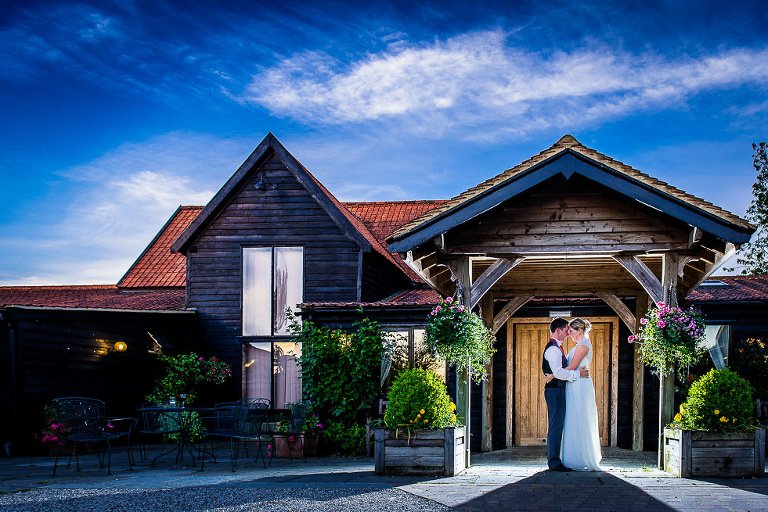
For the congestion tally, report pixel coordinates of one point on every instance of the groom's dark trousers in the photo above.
(554, 396)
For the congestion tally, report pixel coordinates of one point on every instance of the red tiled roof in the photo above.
(158, 267)
(377, 220)
(732, 288)
(383, 217)
(92, 297)
(405, 298)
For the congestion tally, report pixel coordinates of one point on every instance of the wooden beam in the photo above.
(642, 274)
(620, 309)
(695, 237)
(667, 382)
(488, 278)
(509, 309)
(730, 250)
(486, 442)
(462, 274)
(641, 307)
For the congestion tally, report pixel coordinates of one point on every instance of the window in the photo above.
(717, 338)
(410, 352)
(271, 370)
(273, 280)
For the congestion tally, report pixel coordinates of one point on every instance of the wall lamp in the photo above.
(121, 346)
(263, 183)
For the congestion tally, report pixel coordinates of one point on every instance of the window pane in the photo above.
(289, 284)
(257, 370)
(257, 291)
(287, 373)
(422, 358)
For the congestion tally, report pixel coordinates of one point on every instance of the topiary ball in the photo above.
(719, 400)
(419, 399)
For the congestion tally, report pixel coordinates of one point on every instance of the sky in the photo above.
(114, 114)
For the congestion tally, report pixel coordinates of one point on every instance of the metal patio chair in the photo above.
(83, 422)
(242, 423)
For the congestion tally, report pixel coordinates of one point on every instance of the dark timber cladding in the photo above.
(285, 214)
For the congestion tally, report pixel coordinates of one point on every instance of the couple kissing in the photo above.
(573, 440)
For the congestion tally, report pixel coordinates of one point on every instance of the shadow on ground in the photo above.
(572, 492)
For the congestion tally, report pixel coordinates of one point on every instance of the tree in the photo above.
(754, 255)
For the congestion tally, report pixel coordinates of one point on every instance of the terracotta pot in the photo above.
(295, 446)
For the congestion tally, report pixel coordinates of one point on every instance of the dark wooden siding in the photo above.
(381, 278)
(62, 354)
(284, 214)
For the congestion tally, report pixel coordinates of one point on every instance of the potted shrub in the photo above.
(297, 436)
(715, 433)
(422, 435)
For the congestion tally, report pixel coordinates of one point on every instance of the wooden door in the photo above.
(530, 410)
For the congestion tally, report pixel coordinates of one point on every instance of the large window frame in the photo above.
(276, 272)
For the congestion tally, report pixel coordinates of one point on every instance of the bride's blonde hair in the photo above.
(580, 323)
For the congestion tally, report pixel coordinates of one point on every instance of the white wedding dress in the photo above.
(581, 438)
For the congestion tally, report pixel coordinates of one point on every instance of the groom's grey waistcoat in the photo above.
(555, 383)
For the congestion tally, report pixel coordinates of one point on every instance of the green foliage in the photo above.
(720, 401)
(419, 399)
(185, 374)
(347, 439)
(754, 255)
(750, 358)
(459, 336)
(341, 374)
(669, 336)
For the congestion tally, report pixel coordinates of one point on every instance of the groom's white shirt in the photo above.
(554, 357)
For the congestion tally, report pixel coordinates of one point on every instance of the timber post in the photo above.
(669, 272)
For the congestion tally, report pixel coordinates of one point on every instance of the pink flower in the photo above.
(439, 308)
(662, 324)
(631, 338)
(200, 358)
(643, 321)
(449, 300)
(660, 304)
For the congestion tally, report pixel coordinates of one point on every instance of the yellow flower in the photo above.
(723, 419)
(422, 411)
(717, 411)
(453, 406)
(453, 417)
(426, 421)
(678, 417)
(682, 409)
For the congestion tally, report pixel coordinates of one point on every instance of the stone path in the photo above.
(504, 480)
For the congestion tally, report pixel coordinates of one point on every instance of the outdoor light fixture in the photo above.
(121, 346)
(563, 313)
(262, 183)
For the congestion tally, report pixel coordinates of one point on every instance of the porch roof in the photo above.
(635, 183)
(92, 297)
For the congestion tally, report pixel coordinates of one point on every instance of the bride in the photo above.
(581, 439)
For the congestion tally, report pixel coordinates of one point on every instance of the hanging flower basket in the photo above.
(669, 336)
(460, 337)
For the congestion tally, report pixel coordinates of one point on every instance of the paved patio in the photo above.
(503, 480)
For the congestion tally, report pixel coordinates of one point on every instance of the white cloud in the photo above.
(116, 205)
(477, 79)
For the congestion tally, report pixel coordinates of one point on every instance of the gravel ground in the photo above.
(218, 498)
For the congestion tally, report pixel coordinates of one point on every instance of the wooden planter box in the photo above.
(297, 446)
(690, 453)
(423, 452)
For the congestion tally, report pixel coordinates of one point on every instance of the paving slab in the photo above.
(513, 479)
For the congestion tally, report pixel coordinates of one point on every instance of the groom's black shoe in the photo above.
(562, 468)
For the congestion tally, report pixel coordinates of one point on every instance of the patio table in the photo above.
(177, 420)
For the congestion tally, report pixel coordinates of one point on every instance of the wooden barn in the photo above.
(568, 232)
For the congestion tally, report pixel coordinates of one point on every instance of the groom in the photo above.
(555, 362)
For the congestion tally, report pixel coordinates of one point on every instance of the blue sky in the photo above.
(113, 115)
